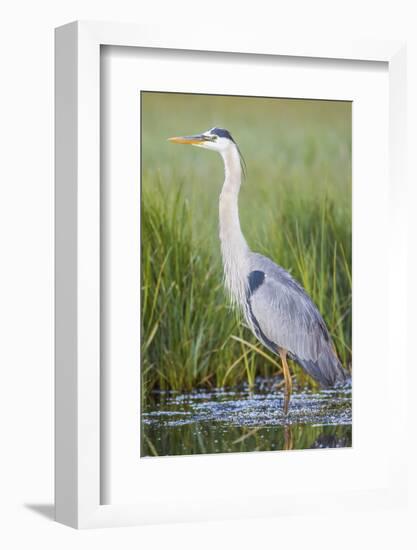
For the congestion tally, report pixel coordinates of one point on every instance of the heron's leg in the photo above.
(287, 379)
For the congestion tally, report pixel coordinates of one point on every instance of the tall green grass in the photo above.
(295, 207)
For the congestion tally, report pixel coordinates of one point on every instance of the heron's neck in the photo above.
(233, 245)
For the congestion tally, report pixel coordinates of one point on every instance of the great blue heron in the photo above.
(278, 310)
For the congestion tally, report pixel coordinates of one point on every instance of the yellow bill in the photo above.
(193, 140)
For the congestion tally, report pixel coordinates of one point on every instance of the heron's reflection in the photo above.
(288, 438)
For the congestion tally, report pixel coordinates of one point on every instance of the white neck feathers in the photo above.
(235, 250)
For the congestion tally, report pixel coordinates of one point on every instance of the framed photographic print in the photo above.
(222, 215)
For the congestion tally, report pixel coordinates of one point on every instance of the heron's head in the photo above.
(216, 139)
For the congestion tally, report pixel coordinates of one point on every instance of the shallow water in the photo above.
(222, 421)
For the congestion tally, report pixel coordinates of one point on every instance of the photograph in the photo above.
(246, 273)
(208, 271)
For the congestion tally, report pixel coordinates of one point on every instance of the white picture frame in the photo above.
(78, 406)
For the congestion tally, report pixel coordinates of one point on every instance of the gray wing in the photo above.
(282, 315)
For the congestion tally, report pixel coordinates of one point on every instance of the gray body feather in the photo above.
(282, 315)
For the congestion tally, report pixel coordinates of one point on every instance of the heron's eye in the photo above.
(210, 138)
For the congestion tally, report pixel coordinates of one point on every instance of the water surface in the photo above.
(222, 421)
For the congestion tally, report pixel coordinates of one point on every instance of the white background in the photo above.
(26, 301)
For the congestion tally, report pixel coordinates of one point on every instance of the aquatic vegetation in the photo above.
(236, 421)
